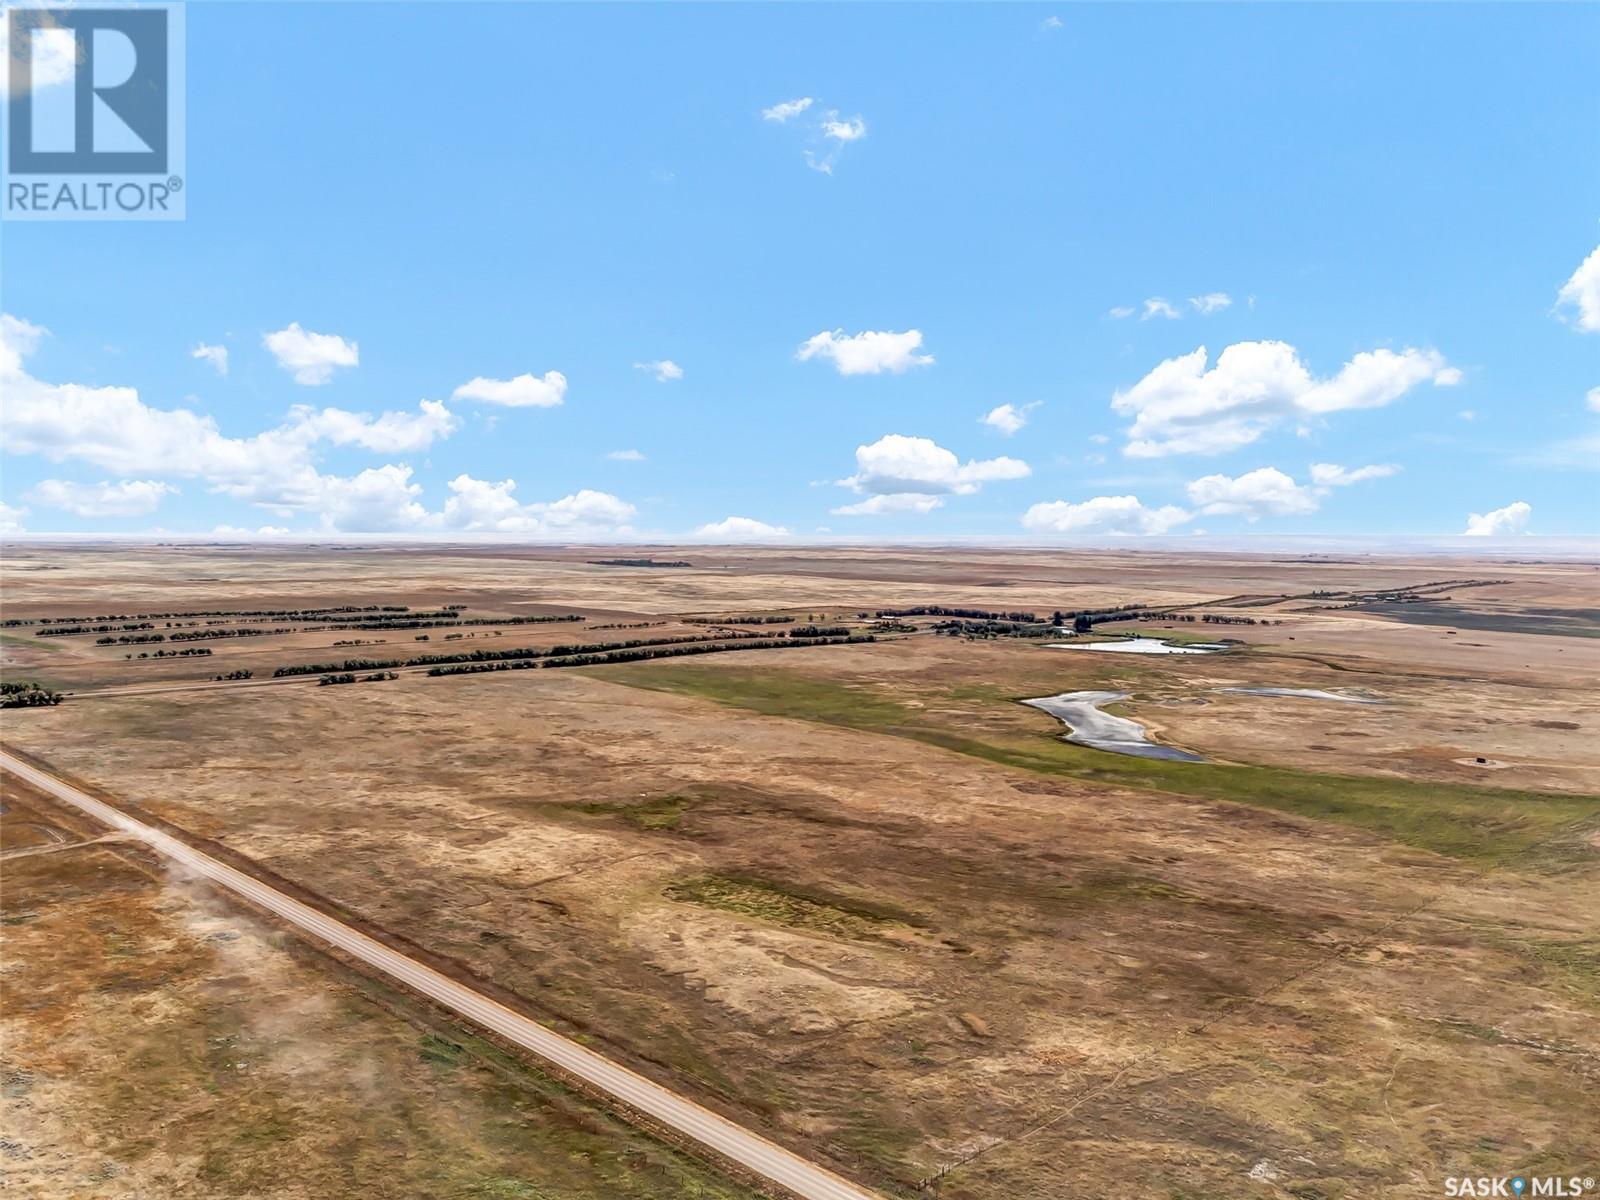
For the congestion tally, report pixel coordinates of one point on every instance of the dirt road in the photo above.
(751, 1151)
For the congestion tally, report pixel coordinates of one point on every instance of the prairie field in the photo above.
(854, 894)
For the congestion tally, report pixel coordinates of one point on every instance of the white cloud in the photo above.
(524, 391)
(391, 433)
(851, 129)
(1332, 475)
(238, 531)
(53, 62)
(1155, 306)
(1211, 302)
(741, 528)
(478, 505)
(128, 498)
(1449, 377)
(216, 357)
(1050, 23)
(1578, 302)
(896, 464)
(1099, 439)
(664, 369)
(787, 109)
(112, 429)
(310, 357)
(1008, 418)
(11, 518)
(1180, 407)
(887, 505)
(18, 339)
(867, 353)
(1122, 312)
(376, 500)
(625, 456)
(1591, 400)
(1511, 519)
(1103, 515)
(1262, 492)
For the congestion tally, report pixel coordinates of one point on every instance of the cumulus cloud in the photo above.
(888, 505)
(1262, 492)
(1591, 400)
(523, 391)
(1008, 418)
(1578, 302)
(1181, 407)
(110, 427)
(54, 57)
(867, 353)
(896, 464)
(127, 498)
(1333, 475)
(391, 433)
(787, 109)
(476, 505)
(113, 429)
(1211, 302)
(1501, 522)
(216, 357)
(1155, 306)
(311, 358)
(11, 518)
(740, 529)
(851, 129)
(664, 369)
(1449, 377)
(625, 456)
(1103, 515)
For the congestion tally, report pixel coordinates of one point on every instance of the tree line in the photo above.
(645, 653)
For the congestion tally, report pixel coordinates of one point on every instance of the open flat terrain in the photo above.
(853, 894)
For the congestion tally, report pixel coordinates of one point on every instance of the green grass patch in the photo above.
(441, 1051)
(784, 904)
(1481, 824)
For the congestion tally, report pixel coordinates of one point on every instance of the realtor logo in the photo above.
(94, 113)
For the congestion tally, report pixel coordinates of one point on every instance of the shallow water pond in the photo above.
(1139, 645)
(1088, 726)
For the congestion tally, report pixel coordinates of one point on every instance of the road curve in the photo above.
(751, 1151)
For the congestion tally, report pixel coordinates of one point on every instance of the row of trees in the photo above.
(644, 653)
(749, 619)
(940, 610)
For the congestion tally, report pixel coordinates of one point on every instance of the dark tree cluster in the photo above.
(939, 610)
(638, 562)
(814, 631)
(235, 675)
(27, 694)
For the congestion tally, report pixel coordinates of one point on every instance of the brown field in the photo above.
(854, 896)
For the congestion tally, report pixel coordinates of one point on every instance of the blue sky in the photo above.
(1365, 214)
